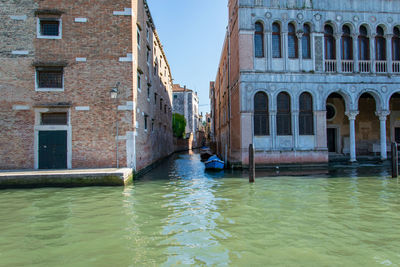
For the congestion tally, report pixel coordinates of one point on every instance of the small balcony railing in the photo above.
(396, 66)
(330, 65)
(381, 66)
(347, 66)
(364, 66)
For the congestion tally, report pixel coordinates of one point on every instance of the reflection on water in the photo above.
(180, 215)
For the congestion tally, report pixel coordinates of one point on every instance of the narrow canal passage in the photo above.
(179, 215)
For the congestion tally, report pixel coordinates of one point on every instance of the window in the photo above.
(49, 78)
(49, 28)
(363, 43)
(148, 57)
(165, 109)
(306, 115)
(283, 116)
(175, 96)
(145, 122)
(54, 118)
(330, 46)
(292, 42)
(152, 125)
(276, 40)
(259, 40)
(148, 92)
(138, 82)
(347, 44)
(161, 103)
(380, 44)
(306, 43)
(261, 115)
(330, 112)
(155, 98)
(147, 33)
(396, 44)
(138, 38)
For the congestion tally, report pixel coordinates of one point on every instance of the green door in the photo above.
(52, 149)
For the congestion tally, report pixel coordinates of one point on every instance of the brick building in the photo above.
(60, 62)
(308, 81)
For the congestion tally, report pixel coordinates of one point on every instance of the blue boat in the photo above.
(214, 163)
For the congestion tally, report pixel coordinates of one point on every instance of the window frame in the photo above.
(306, 35)
(346, 37)
(281, 114)
(279, 35)
(39, 34)
(292, 34)
(380, 38)
(327, 38)
(259, 34)
(260, 114)
(306, 114)
(396, 38)
(48, 89)
(361, 38)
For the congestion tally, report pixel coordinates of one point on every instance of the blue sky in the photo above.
(192, 33)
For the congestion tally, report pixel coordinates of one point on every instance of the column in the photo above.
(269, 51)
(272, 119)
(372, 52)
(338, 54)
(355, 52)
(389, 56)
(295, 128)
(285, 51)
(352, 118)
(300, 47)
(382, 119)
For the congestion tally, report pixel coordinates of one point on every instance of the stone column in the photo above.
(389, 57)
(338, 53)
(295, 128)
(272, 119)
(352, 118)
(355, 52)
(372, 52)
(300, 47)
(382, 118)
(269, 51)
(285, 51)
(246, 134)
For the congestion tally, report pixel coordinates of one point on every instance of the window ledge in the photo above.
(49, 37)
(49, 89)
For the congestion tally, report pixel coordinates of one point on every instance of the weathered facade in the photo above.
(186, 103)
(60, 62)
(306, 81)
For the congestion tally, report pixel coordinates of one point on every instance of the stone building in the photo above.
(307, 81)
(186, 103)
(62, 62)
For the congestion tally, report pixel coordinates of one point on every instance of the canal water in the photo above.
(179, 215)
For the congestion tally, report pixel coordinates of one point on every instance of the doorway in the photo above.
(397, 135)
(52, 149)
(332, 140)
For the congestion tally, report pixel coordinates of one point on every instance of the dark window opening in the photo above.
(276, 41)
(50, 77)
(306, 43)
(261, 114)
(347, 44)
(54, 118)
(292, 42)
(49, 27)
(259, 40)
(363, 43)
(306, 115)
(330, 112)
(283, 117)
(380, 44)
(396, 44)
(330, 43)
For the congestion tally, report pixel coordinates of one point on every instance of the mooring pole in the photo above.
(252, 166)
(395, 161)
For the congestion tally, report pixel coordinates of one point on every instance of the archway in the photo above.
(337, 125)
(367, 127)
(394, 125)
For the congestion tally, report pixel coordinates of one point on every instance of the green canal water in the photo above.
(179, 215)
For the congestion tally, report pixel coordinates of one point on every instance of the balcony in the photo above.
(396, 66)
(381, 66)
(364, 66)
(347, 66)
(330, 65)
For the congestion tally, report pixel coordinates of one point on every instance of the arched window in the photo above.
(292, 41)
(276, 40)
(347, 44)
(396, 44)
(283, 116)
(363, 43)
(380, 44)
(261, 114)
(330, 47)
(259, 40)
(306, 115)
(306, 44)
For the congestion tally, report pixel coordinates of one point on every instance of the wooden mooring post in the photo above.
(252, 165)
(395, 160)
